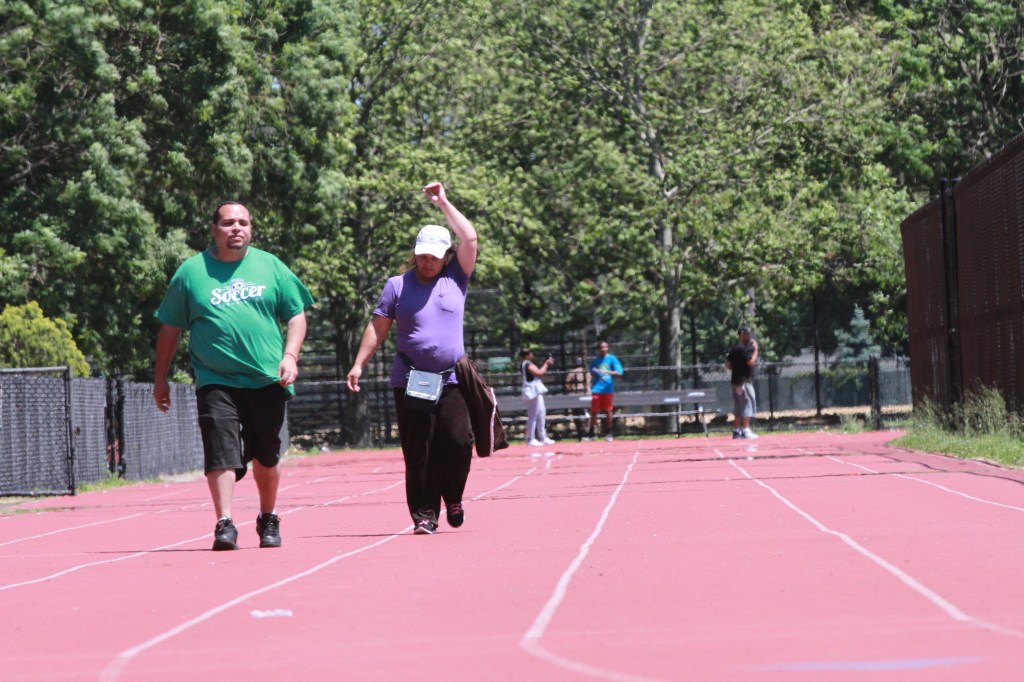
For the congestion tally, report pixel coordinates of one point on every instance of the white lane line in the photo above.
(114, 668)
(362, 494)
(64, 530)
(135, 555)
(931, 483)
(119, 518)
(79, 567)
(531, 640)
(930, 595)
(299, 484)
(503, 485)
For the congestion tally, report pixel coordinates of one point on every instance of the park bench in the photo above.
(692, 402)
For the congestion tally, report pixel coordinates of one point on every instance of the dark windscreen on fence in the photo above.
(159, 443)
(927, 303)
(59, 433)
(88, 414)
(964, 256)
(34, 435)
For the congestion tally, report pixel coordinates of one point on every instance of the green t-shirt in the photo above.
(234, 312)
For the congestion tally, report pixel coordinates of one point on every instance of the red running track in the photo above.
(793, 557)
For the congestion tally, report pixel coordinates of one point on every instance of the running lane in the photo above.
(805, 556)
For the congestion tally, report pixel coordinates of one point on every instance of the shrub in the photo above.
(30, 339)
(981, 412)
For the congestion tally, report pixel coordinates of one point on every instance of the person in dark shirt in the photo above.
(740, 361)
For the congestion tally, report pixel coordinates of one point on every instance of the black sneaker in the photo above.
(225, 535)
(425, 527)
(737, 434)
(269, 528)
(456, 515)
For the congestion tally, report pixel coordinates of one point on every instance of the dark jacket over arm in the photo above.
(488, 430)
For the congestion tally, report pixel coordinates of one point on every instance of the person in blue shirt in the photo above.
(603, 370)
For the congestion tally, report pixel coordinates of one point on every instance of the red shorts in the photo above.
(601, 402)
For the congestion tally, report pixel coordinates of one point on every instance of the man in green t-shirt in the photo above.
(233, 299)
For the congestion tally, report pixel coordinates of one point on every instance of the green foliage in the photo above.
(627, 165)
(851, 423)
(956, 90)
(979, 427)
(693, 153)
(981, 412)
(30, 339)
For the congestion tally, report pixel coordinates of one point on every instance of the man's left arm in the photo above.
(288, 370)
(753, 356)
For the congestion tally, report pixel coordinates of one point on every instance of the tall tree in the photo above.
(960, 78)
(708, 144)
(77, 235)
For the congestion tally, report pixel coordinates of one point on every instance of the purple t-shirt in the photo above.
(428, 320)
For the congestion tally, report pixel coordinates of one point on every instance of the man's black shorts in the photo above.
(239, 425)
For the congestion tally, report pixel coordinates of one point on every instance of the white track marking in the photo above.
(351, 495)
(931, 483)
(930, 595)
(134, 555)
(531, 640)
(503, 485)
(114, 668)
(79, 567)
(64, 530)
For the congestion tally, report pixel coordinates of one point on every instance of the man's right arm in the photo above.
(166, 345)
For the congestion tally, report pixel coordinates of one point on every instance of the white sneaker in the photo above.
(535, 443)
(609, 438)
(548, 441)
(747, 433)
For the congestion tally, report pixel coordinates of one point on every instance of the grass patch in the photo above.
(978, 427)
(851, 423)
(1001, 448)
(9, 505)
(110, 482)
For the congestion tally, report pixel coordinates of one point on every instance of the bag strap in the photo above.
(406, 360)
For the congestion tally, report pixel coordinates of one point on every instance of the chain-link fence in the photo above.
(158, 443)
(58, 432)
(35, 431)
(790, 395)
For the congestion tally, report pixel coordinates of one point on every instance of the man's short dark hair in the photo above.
(745, 330)
(216, 212)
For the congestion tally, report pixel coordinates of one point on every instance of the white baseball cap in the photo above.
(433, 239)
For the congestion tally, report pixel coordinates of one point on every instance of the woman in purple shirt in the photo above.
(427, 306)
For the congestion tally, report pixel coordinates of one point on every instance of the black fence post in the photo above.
(952, 276)
(875, 391)
(69, 420)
